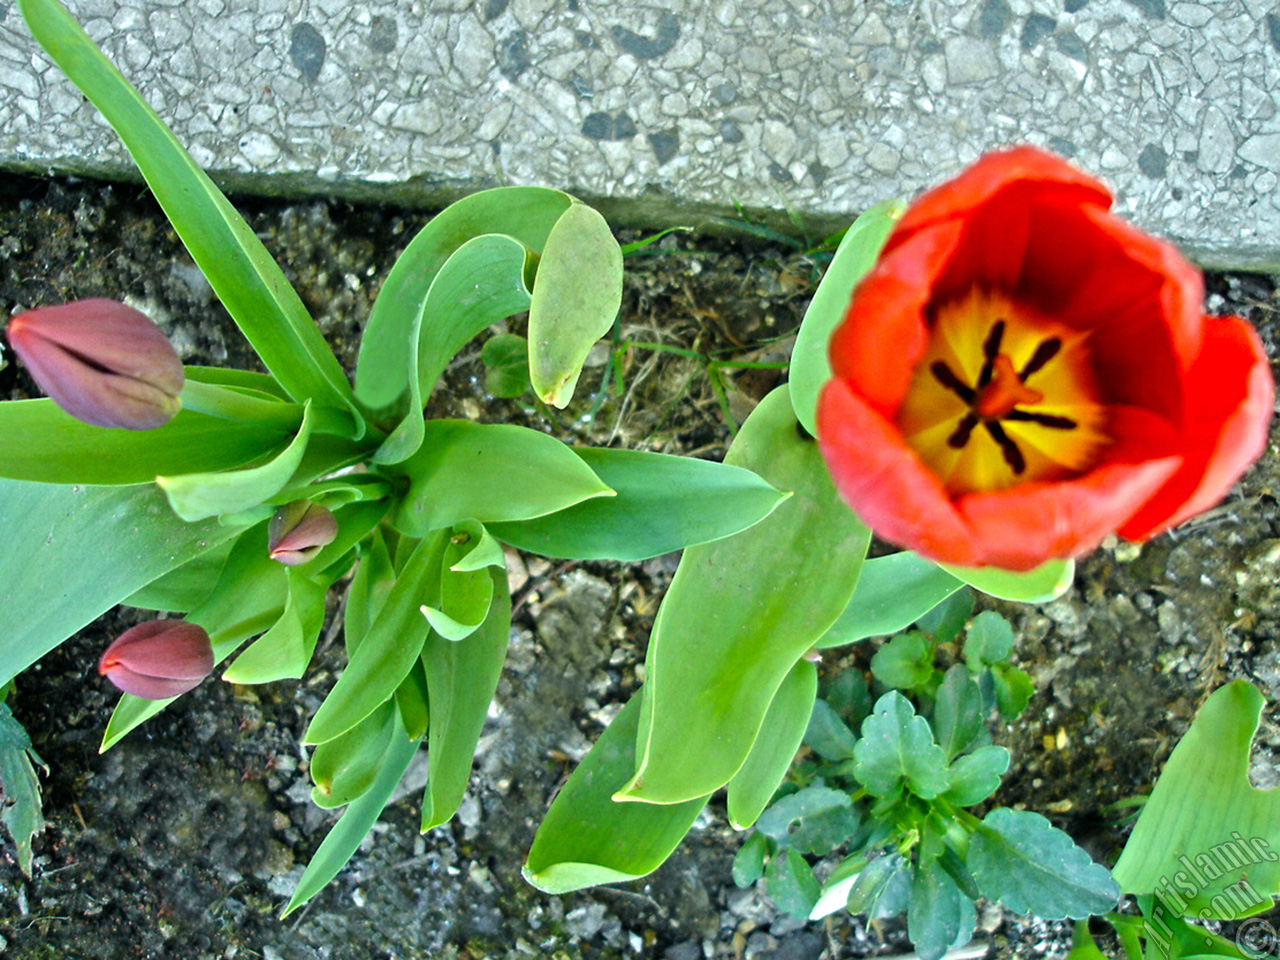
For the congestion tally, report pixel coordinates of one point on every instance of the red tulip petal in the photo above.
(1229, 404)
(886, 320)
(158, 659)
(149, 688)
(885, 483)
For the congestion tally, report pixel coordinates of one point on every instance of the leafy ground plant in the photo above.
(239, 499)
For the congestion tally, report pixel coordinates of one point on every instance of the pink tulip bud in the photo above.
(102, 362)
(158, 660)
(298, 530)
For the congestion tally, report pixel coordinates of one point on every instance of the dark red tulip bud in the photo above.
(158, 660)
(102, 362)
(298, 530)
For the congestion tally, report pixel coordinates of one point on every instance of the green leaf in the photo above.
(896, 751)
(413, 701)
(766, 765)
(957, 711)
(663, 503)
(811, 820)
(506, 365)
(855, 256)
(284, 651)
(848, 694)
(882, 889)
(462, 678)
(356, 822)
(480, 284)
(373, 580)
(1013, 689)
(465, 596)
(19, 787)
(1083, 946)
(939, 916)
(791, 883)
(248, 598)
(905, 662)
(827, 735)
(893, 593)
(1206, 836)
(490, 473)
(38, 442)
(71, 553)
(526, 214)
(587, 838)
(1030, 866)
(740, 612)
(1046, 582)
(748, 862)
(945, 621)
(976, 776)
(346, 766)
(388, 651)
(576, 295)
(185, 587)
(989, 640)
(247, 281)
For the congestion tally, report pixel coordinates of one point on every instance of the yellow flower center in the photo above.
(1003, 395)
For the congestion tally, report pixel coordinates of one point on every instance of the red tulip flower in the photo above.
(158, 660)
(1022, 373)
(102, 362)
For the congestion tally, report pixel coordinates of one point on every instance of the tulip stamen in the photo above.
(1046, 351)
(1008, 449)
(991, 352)
(946, 376)
(964, 429)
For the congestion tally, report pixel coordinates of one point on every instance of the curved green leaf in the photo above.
(243, 275)
(1205, 829)
(663, 503)
(587, 838)
(490, 472)
(527, 214)
(71, 553)
(897, 752)
(1046, 582)
(284, 651)
(753, 786)
(40, 443)
(196, 496)
(739, 614)
(855, 256)
(345, 767)
(893, 593)
(576, 296)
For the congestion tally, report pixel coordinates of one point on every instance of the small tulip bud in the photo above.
(298, 530)
(158, 660)
(102, 362)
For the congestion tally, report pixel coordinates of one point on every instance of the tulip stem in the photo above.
(229, 403)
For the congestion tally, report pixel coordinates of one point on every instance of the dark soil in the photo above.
(186, 840)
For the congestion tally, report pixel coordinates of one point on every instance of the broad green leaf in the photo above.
(19, 787)
(243, 275)
(1046, 582)
(506, 365)
(748, 862)
(740, 612)
(414, 702)
(373, 580)
(462, 678)
(249, 597)
(1205, 828)
(527, 214)
(480, 284)
(945, 622)
(196, 496)
(976, 776)
(663, 503)
(346, 766)
(71, 553)
(957, 711)
(791, 883)
(1030, 866)
(356, 822)
(855, 256)
(466, 589)
(38, 442)
(587, 838)
(939, 916)
(897, 752)
(576, 295)
(812, 820)
(490, 473)
(988, 640)
(766, 765)
(827, 735)
(388, 651)
(904, 662)
(893, 593)
(184, 588)
(284, 651)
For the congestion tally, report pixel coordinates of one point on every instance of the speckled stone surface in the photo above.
(689, 106)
